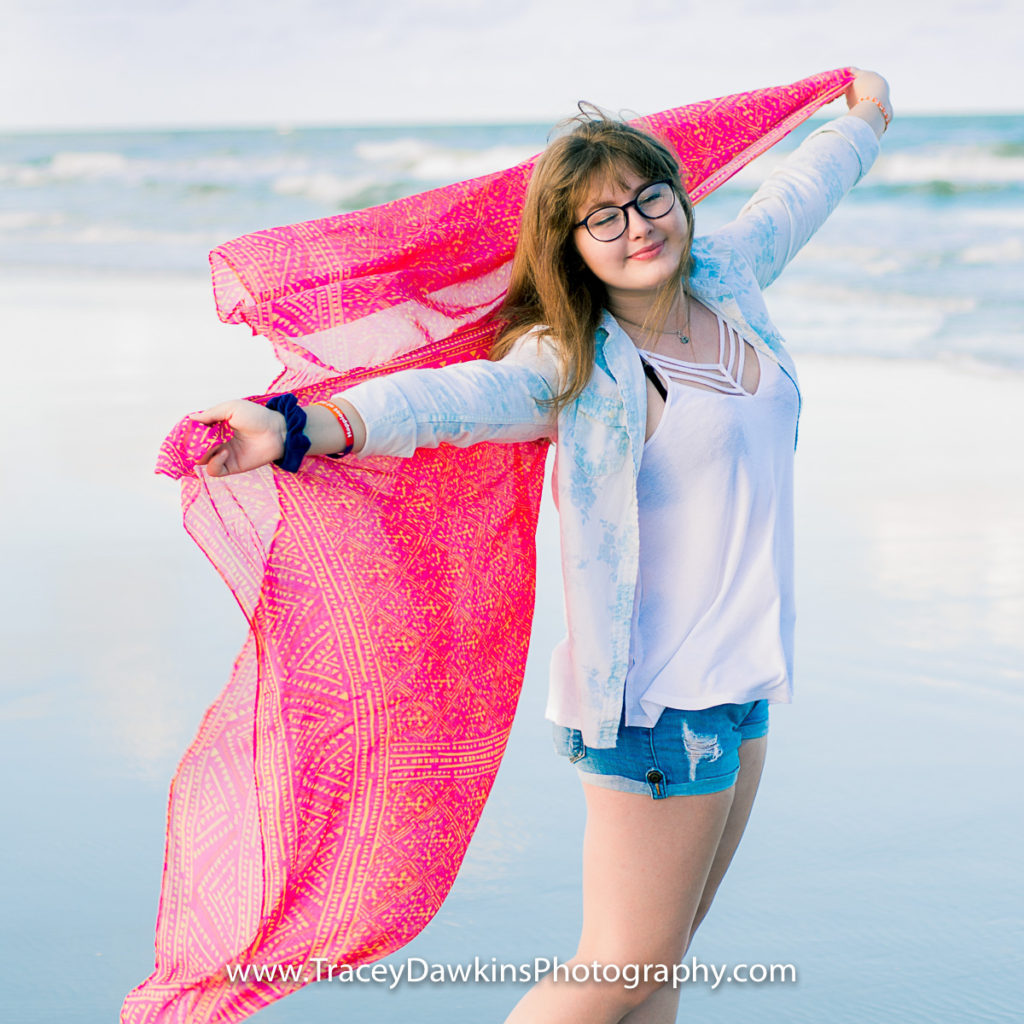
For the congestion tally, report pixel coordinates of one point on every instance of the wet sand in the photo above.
(881, 857)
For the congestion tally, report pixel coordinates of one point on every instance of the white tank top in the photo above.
(714, 614)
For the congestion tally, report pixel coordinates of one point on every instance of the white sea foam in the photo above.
(818, 317)
(970, 166)
(19, 220)
(404, 152)
(323, 187)
(1007, 250)
(88, 165)
(229, 170)
(1002, 217)
(120, 234)
(69, 167)
(425, 161)
(960, 165)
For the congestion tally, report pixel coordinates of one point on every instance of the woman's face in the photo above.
(645, 255)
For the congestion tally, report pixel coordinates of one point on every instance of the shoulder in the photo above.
(715, 260)
(710, 251)
(536, 350)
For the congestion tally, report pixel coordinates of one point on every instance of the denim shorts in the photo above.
(686, 752)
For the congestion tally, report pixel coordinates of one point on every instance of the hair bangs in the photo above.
(606, 158)
(550, 284)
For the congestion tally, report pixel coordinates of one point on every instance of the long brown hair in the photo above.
(551, 285)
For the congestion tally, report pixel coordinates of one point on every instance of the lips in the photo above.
(649, 252)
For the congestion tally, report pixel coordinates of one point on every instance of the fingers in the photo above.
(218, 465)
(252, 437)
(216, 461)
(215, 414)
(215, 450)
(869, 83)
(216, 458)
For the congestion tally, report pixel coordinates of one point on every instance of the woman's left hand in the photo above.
(868, 98)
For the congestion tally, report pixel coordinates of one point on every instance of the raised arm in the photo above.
(462, 404)
(799, 195)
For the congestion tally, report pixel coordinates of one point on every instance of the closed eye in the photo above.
(652, 197)
(602, 218)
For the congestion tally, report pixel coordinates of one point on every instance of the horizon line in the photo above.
(289, 126)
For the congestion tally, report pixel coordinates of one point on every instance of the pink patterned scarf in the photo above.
(326, 804)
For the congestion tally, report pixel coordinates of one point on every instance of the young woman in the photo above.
(648, 356)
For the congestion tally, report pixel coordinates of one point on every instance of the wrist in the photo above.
(296, 443)
(873, 112)
(325, 433)
(882, 104)
(280, 430)
(342, 423)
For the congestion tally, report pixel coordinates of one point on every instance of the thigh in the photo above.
(752, 754)
(646, 865)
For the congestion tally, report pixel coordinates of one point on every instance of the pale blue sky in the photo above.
(64, 63)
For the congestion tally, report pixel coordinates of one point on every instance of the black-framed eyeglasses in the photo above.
(610, 222)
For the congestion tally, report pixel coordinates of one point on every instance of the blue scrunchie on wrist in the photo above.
(296, 444)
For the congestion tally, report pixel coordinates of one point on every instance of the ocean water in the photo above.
(881, 859)
(931, 242)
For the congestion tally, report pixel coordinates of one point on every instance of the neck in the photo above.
(635, 307)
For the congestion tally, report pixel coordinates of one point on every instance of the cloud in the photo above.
(314, 61)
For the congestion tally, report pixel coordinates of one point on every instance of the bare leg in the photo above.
(650, 871)
(661, 1006)
(645, 867)
(752, 754)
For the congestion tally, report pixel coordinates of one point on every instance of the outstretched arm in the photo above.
(798, 196)
(462, 404)
(258, 434)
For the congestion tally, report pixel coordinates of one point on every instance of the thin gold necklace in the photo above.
(683, 336)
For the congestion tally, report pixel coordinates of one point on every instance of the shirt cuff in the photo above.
(386, 415)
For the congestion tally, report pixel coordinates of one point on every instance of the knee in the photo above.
(702, 912)
(707, 898)
(640, 981)
(623, 982)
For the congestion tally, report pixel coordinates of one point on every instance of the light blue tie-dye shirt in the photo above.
(600, 436)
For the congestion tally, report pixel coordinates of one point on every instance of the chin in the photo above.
(656, 278)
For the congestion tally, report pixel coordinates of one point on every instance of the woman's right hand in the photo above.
(257, 437)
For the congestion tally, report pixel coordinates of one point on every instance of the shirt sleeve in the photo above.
(798, 196)
(462, 404)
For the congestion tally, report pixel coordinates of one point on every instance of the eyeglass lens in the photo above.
(609, 222)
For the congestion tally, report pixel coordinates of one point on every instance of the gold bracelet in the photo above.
(878, 103)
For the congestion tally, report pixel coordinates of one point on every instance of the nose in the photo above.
(637, 225)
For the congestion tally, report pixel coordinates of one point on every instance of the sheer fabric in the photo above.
(327, 801)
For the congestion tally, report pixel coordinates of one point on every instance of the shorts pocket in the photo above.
(755, 724)
(569, 743)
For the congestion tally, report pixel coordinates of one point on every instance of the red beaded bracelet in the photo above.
(878, 103)
(346, 427)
